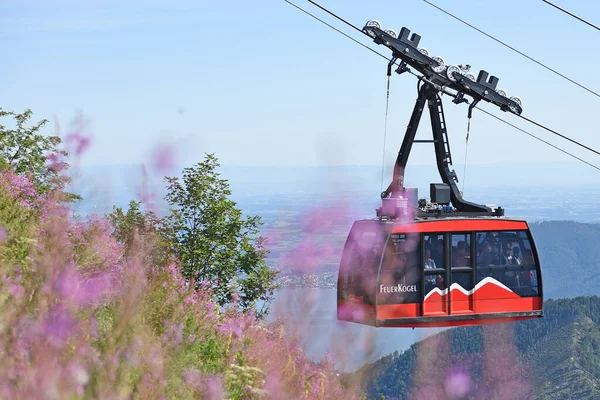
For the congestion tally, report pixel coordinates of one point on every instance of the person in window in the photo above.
(437, 250)
(429, 263)
(440, 282)
(487, 262)
(485, 257)
(518, 260)
(491, 238)
(430, 280)
(509, 277)
(528, 257)
(507, 258)
(460, 258)
(496, 255)
(527, 277)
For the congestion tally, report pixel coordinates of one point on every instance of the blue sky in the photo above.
(260, 83)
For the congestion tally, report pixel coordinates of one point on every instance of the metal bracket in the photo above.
(452, 76)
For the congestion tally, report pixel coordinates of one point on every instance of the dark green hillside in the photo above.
(570, 257)
(555, 357)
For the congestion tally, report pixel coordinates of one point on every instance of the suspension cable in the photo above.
(466, 151)
(558, 134)
(490, 114)
(337, 30)
(387, 102)
(571, 14)
(513, 49)
(541, 140)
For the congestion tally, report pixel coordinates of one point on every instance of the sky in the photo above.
(262, 84)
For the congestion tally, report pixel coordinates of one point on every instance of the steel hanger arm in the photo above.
(407, 50)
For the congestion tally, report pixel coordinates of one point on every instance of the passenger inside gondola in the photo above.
(488, 259)
(429, 262)
(460, 257)
(510, 277)
(437, 250)
(528, 276)
(517, 256)
(430, 279)
(507, 258)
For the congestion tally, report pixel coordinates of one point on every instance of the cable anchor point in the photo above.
(471, 107)
(389, 67)
(459, 98)
(402, 68)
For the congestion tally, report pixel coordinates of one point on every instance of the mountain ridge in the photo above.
(554, 357)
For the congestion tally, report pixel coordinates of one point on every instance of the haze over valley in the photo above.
(300, 206)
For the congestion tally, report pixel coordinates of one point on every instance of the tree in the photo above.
(144, 225)
(27, 152)
(212, 239)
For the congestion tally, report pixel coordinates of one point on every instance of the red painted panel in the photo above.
(439, 307)
(460, 225)
(442, 324)
(493, 292)
(391, 311)
(461, 307)
(460, 303)
(509, 305)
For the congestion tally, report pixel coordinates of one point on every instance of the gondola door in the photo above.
(461, 270)
(435, 289)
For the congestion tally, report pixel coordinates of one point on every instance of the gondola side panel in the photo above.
(399, 278)
(357, 279)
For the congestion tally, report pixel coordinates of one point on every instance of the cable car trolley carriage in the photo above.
(447, 261)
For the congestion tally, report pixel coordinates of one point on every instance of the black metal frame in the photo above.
(436, 78)
(406, 49)
(429, 94)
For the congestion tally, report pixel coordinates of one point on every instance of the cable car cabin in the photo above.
(438, 273)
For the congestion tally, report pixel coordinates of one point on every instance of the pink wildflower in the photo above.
(163, 158)
(458, 384)
(81, 142)
(59, 325)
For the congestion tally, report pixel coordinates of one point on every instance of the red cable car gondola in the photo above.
(439, 272)
(421, 264)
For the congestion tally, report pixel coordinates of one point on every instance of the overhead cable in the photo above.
(513, 49)
(558, 134)
(337, 30)
(541, 140)
(486, 112)
(571, 14)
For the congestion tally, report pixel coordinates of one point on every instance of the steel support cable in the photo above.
(337, 30)
(387, 102)
(541, 140)
(558, 134)
(418, 76)
(571, 14)
(513, 49)
(466, 151)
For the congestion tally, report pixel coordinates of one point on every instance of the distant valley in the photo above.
(307, 216)
(300, 205)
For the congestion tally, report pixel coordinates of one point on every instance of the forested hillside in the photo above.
(555, 357)
(570, 257)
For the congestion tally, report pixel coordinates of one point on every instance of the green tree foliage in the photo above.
(136, 224)
(80, 321)
(25, 150)
(212, 238)
(16, 231)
